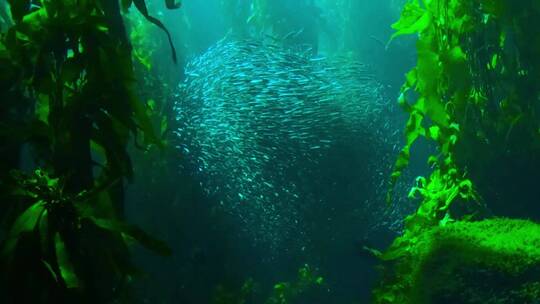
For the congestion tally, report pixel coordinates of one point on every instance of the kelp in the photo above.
(69, 92)
(466, 98)
(441, 63)
(54, 217)
(474, 94)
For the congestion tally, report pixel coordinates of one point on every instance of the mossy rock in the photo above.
(492, 261)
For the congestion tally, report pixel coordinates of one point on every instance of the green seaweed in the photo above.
(472, 93)
(446, 262)
(471, 101)
(68, 88)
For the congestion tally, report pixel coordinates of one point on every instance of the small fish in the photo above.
(250, 111)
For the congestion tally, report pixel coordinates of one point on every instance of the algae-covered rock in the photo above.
(491, 261)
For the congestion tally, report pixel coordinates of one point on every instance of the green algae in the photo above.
(462, 262)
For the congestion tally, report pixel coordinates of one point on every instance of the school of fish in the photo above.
(255, 117)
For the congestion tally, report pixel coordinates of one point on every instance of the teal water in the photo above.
(286, 131)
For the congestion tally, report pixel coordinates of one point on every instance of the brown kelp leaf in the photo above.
(64, 263)
(141, 6)
(26, 222)
(19, 8)
(134, 232)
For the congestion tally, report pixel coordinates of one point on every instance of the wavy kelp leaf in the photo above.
(436, 111)
(106, 136)
(414, 128)
(26, 222)
(32, 25)
(141, 6)
(64, 263)
(44, 231)
(144, 122)
(50, 270)
(414, 19)
(170, 4)
(134, 232)
(19, 8)
(429, 69)
(126, 4)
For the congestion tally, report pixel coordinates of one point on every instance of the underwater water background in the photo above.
(219, 238)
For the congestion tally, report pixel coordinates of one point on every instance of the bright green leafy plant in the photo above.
(473, 93)
(441, 59)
